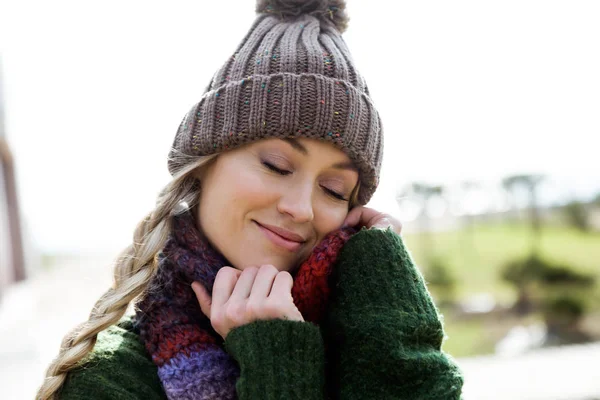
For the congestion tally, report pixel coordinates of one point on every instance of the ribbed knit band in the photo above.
(269, 375)
(292, 78)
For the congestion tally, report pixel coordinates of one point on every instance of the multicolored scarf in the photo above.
(191, 360)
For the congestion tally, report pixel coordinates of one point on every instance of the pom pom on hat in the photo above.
(332, 10)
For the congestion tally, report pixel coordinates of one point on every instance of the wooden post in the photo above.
(16, 259)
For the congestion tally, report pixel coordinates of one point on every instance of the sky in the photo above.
(94, 93)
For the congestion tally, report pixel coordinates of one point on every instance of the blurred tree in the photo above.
(577, 215)
(553, 276)
(559, 292)
(423, 193)
(531, 183)
(522, 274)
(441, 282)
(562, 316)
(564, 301)
(469, 188)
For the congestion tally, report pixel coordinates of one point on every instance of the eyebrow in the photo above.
(300, 148)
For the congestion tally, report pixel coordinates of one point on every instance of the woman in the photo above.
(260, 274)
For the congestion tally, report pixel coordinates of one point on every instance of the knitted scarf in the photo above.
(190, 356)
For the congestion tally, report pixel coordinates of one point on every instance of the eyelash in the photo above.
(285, 173)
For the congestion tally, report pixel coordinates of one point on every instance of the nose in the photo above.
(297, 202)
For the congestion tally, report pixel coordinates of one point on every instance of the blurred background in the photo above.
(490, 110)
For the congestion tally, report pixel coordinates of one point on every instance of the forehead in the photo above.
(312, 148)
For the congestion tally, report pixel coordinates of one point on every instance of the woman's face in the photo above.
(272, 201)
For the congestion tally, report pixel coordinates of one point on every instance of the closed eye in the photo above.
(275, 169)
(283, 172)
(335, 194)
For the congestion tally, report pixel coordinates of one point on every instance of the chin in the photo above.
(260, 260)
(281, 265)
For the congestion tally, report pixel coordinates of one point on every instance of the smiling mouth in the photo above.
(279, 240)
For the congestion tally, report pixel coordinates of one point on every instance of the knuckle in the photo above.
(225, 272)
(253, 309)
(270, 310)
(273, 309)
(269, 268)
(235, 312)
(285, 277)
(285, 274)
(250, 270)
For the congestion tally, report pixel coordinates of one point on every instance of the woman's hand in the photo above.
(370, 218)
(240, 297)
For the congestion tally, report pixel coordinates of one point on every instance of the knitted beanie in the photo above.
(292, 76)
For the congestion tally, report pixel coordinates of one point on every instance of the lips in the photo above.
(294, 237)
(281, 237)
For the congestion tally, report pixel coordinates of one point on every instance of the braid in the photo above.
(134, 268)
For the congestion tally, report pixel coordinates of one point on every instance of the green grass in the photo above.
(475, 258)
(467, 338)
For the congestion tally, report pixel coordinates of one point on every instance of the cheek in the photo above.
(329, 218)
(249, 190)
(232, 194)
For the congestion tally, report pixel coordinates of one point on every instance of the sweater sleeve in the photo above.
(117, 369)
(278, 360)
(383, 332)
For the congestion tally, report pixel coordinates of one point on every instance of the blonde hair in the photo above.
(353, 201)
(134, 268)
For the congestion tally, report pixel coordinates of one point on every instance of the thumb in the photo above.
(203, 297)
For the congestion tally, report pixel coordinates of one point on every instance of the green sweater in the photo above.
(382, 340)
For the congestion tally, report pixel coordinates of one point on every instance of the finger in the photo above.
(282, 285)
(381, 223)
(353, 217)
(224, 285)
(203, 298)
(363, 216)
(263, 282)
(243, 287)
(385, 221)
